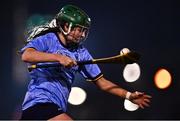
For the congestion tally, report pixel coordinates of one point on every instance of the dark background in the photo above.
(149, 27)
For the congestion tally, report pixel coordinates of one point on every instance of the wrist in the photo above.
(56, 57)
(128, 94)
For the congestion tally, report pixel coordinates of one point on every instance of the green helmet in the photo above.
(74, 16)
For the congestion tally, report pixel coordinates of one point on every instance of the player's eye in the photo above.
(80, 29)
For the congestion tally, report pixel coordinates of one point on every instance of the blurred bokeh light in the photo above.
(162, 79)
(131, 72)
(77, 96)
(129, 106)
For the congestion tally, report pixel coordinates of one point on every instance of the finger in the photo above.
(139, 93)
(74, 62)
(147, 100)
(69, 64)
(66, 64)
(146, 104)
(147, 96)
(141, 106)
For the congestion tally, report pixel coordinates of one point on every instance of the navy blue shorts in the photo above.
(42, 111)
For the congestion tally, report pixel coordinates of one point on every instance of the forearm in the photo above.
(33, 56)
(110, 87)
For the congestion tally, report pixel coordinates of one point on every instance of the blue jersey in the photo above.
(53, 84)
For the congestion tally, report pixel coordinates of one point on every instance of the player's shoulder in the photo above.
(47, 34)
(50, 34)
(44, 36)
(82, 49)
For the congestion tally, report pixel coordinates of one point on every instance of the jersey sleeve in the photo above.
(38, 43)
(90, 72)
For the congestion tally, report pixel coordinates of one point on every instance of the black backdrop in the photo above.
(148, 27)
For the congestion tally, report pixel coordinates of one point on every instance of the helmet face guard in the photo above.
(74, 16)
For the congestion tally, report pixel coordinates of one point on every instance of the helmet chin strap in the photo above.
(69, 29)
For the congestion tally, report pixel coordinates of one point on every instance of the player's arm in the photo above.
(110, 87)
(136, 97)
(31, 55)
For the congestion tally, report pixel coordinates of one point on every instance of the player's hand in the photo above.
(141, 99)
(66, 61)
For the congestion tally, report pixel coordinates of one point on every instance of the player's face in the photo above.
(76, 35)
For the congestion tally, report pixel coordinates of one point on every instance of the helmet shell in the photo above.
(74, 15)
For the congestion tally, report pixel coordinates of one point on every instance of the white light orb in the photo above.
(77, 96)
(131, 72)
(129, 106)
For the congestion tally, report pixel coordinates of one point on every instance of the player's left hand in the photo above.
(141, 99)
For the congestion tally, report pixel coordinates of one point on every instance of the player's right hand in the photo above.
(66, 61)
